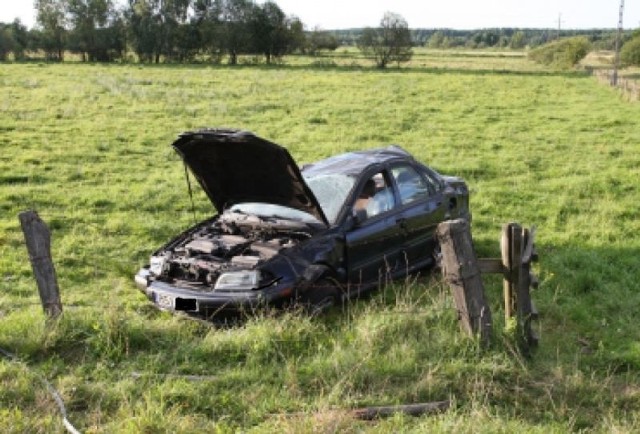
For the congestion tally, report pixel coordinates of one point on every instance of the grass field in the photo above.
(87, 146)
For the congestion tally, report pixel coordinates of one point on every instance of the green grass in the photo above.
(88, 147)
(425, 59)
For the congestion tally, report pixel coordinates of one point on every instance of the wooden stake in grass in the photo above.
(462, 272)
(38, 239)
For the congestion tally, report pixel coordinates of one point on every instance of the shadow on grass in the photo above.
(588, 302)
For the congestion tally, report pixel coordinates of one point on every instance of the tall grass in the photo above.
(87, 146)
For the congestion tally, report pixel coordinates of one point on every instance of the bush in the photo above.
(562, 53)
(630, 52)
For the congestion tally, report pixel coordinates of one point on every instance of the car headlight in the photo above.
(238, 280)
(157, 265)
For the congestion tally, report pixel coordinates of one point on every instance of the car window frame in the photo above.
(359, 185)
(431, 175)
(432, 190)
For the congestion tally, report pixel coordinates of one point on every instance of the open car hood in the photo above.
(235, 166)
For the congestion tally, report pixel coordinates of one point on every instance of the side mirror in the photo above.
(358, 215)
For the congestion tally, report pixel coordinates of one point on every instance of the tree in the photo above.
(7, 43)
(113, 39)
(391, 42)
(484, 38)
(321, 40)
(143, 27)
(187, 42)
(154, 27)
(562, 53)
(630, 52)
(436, 40)
(87, 17)
(517, 40)
(208, 22)
(296, 38)
(14, 38)
(269, 31)
(51, 18)
(173, 16)
(235, 16)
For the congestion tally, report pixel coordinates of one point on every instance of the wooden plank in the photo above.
(529, 248)
(534, 311)
(460, 268)
(38, 240)
(370, 413)
(525, 308)
(505, 249)
(491, 266)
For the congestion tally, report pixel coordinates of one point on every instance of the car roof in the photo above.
(354, 163)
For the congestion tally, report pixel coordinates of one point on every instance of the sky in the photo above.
(454, 14)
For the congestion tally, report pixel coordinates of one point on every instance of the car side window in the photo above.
(375, 196)
(435, 184)
(411, 185)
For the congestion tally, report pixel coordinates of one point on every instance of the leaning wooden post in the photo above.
(461, 270)
(38, 239)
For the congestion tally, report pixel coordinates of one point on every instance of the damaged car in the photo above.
(284, 236)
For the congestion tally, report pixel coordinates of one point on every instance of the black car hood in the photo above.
(234, 166)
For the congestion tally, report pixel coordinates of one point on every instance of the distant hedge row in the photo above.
(562, 53)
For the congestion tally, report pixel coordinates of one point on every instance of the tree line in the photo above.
(213, 30)
(514, 38)
(161, 30)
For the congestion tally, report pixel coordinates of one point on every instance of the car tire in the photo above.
(320, 296)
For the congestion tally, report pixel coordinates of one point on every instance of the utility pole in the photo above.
(616, 63)
(559, 25)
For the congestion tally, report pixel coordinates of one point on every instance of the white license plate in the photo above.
(165, 301)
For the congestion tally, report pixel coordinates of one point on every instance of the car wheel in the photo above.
(320, 296)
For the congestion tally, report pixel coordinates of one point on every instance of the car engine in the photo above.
(232, 242)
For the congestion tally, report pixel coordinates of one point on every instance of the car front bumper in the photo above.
(174, 298)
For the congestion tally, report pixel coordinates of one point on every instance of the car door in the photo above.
(422, 208)
(374, 244)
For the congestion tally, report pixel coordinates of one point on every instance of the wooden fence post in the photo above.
(526, 309)
(518, 251)
(38, 239)
(505, 249)
(461, 270)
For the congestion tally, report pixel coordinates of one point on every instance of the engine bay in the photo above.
(232, 242)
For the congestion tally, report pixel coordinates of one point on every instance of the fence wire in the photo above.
(52, 390)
